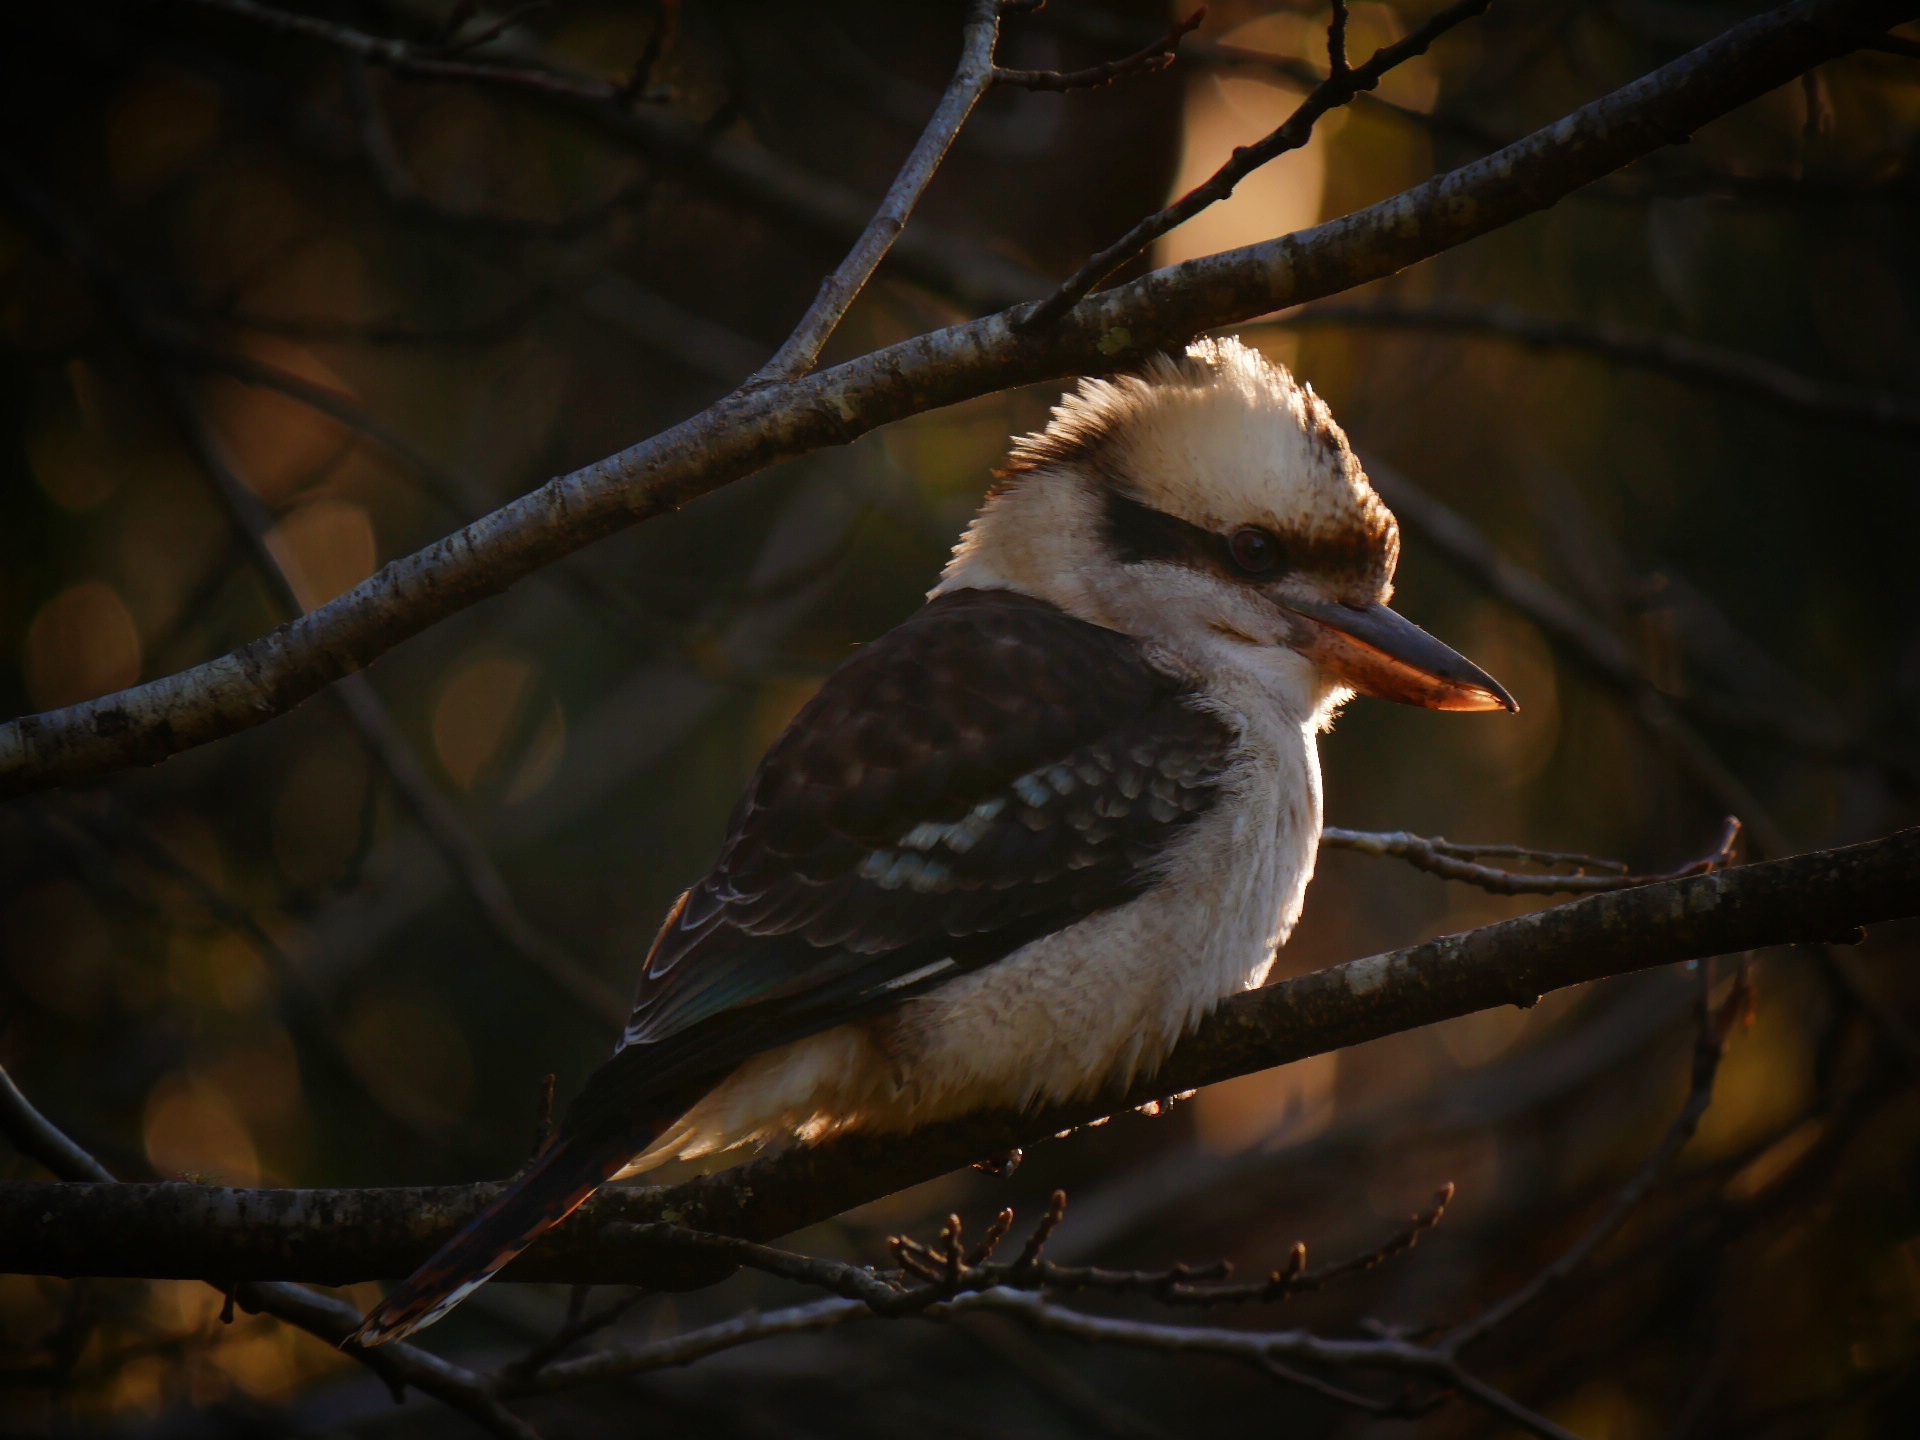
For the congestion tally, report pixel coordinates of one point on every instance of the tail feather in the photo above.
(562, 1178)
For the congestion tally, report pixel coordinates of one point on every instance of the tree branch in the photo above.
(972, 79)
(740, 173)
(343, 1236)
(1343, 82)
(1459, 862)
(322, 1315)
(1154, 56)
(747, 432)
(165, 352)
(1261, 1349)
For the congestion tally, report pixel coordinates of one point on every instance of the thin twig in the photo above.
(330, 1319)
(1715, 1024)
(1330, 94)
(1457, 862)
(747, 1329)
(421, 63)
(1155, 56)
(971, 79)
(1260, 1349)
(930, 1274)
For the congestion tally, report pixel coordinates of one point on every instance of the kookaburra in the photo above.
(1017, 847)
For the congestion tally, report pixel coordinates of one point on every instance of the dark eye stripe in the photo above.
(1139, 533)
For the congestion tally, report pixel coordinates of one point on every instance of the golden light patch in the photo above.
(1223, 111)
(192, 1129)
(276, 443)
(82, 644)
(477, 712)
(412, 1056)
(326, 548)
(159, 125)
(1295, 1101)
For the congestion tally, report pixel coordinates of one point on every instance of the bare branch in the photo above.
(421, 62)
(1671, 355)
(342, 1236)
(1330, 94)
(463, 851)
(737, 172)
(747, 432)
(1261, 1349)
(332, 1320)
(1715, 1024)
(1151, 58)
(36, 1136)
(747, 1329)
(839, 290)
(1457, 862)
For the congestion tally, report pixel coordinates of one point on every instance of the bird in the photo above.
(1016, 848)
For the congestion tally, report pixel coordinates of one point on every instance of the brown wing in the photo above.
(988, 772)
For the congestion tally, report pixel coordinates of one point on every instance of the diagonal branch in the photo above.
(745, 433)
(1459, 862)
(1150, 58)
(1715, 1025)
(344, 1236)
(463, 851)
(1342, 84)
(971, 80)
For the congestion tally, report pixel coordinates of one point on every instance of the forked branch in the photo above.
(1343, 82)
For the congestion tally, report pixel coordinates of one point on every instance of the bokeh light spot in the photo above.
(82, 644)
(412, 1056)
(326, 548)
(191, 1128)
(476, 711)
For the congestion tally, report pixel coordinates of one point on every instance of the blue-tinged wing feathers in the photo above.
(988, 772)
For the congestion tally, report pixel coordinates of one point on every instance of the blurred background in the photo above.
(270, 318)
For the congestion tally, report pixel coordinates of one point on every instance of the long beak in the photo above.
(1379, 652)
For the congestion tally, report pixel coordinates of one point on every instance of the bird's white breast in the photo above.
(1100, 1001)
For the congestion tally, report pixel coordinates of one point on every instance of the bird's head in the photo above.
(1210, 506)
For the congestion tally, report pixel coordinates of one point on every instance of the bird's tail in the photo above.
(566, 1173)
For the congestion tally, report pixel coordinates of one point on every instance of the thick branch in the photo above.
(341, 1236)
(747, 432)
(322, 1315)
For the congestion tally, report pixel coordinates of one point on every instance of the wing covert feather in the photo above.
(987, 772)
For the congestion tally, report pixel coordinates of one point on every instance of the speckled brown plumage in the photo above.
(988, 772)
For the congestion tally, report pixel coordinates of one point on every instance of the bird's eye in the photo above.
(1254, 550)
